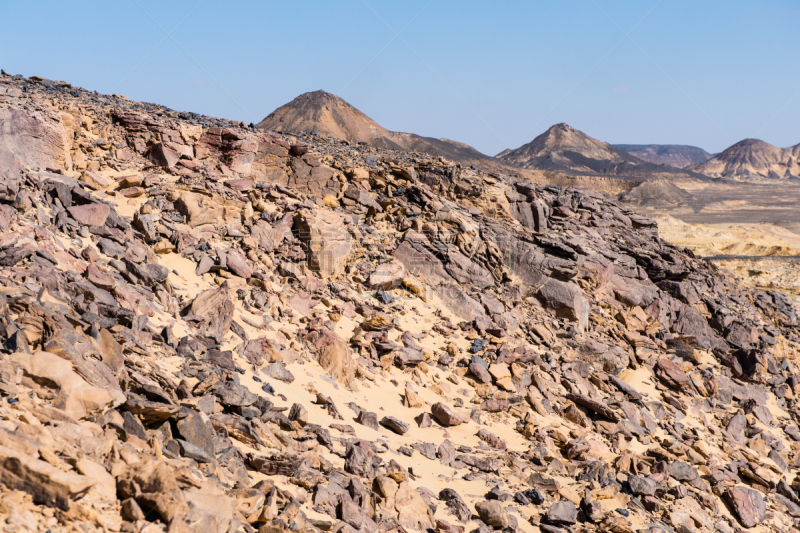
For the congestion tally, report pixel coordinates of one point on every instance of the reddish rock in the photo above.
(90, 254)
(238, 264)
(748, 504)
(90, 215)
(672, 376)
(164, 156)
(100, 278)
(445, 415)
(480, 372)
(240, 185)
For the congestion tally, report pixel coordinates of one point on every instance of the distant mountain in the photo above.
(330, 116)
(564, 149)
(752, 159)
(674, 155)
(656, 193)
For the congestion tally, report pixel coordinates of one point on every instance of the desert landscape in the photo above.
(209, 326)
(254, 280)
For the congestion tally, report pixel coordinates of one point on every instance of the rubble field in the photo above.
(208, 327)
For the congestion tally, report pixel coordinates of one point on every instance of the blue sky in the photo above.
(491, 74)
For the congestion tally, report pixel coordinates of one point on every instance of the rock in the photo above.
(423, 420)
(480, 372)
(31, 141)
(594, 405)
(412, 511)
(456, 504)
(77, 398)
(47, 484)
(368, 419)
(388, 275)
(102, 279)
(672, 376)
(215, 307)
(408, 357)
(238, 265)
(748, 504)
(562, 513)
(327, 241)
(195, 431)
(642, 486)
(532, 496)
(209, 510)
(335, 358)
(270, 238)
(444, 415)
(491, 439)
(164, 156)
(492, 513)
(358, 461)
(200, 209)
(90, 215)
(193, 452)
(395, 424)
(566, 300)
(233, 394)
(735, 428)
(298, 413)
(411, 399)
(278, 371)
(682, 471)
(153, 485)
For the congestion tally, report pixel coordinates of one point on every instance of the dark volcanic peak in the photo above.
(674, 155)
(328, 115)
(565, 149)
(753, 159)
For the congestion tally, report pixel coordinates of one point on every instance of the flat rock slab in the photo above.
(90, 215)
(748, 504)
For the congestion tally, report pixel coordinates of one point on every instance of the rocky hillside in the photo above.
(752, 159)
(211, 328)
(329, 116)
(674, 155)
(562, 148)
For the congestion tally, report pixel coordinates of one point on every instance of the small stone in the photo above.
(395, 424)
(368, 419)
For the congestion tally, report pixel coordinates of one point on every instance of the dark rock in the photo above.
(562, 513)
(395, 424)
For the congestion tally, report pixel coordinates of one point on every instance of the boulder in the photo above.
(328, 243)
(153, 485)
(412, 511)
(748, 504)
(47, 484)
(672, 376)
(445, 415)
(562, 513)
(74, 396)
(33, 140)
(492, 513)
(565, 299)
(388, 275)
(91, 214)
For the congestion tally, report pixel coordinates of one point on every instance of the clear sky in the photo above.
(490, 74)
